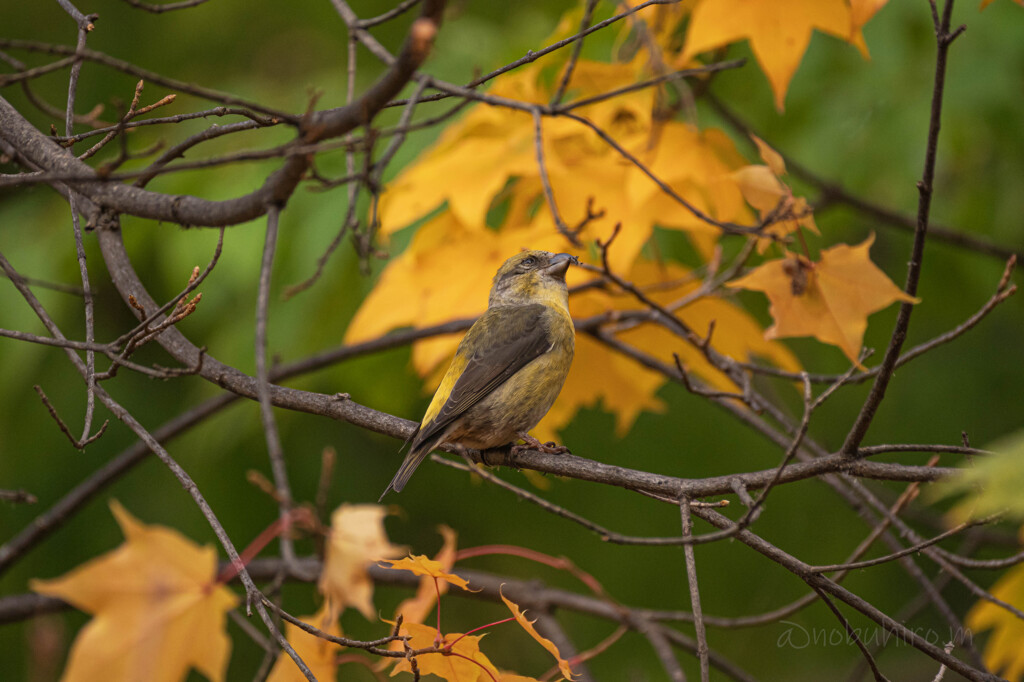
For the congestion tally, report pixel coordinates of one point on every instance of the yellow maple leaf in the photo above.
(417, 608)
(157, 608)
(491, 154)
(771, 158)
(472, 160)
(320, 655)
(696, 164)
(463, 663)
(760, 186)
(829, 300)
(357, 540)
(764, 189)
(421, 565)
(1003, 651)
(779, 31)
(563, 665)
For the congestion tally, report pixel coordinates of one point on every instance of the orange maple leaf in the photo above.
(357, 540)
(779, 31)
(829, 300)
(421, 565)
(417, 608)
(320, 655)
(463, 662)
(563, 665)
(157, 608)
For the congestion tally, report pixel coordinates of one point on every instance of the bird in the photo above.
(508, 369)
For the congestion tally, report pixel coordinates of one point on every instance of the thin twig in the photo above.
(398, 10)
(852, 634)
(899, 333)
(79, 444)
(550, 507)
(577, 48)
(805, 422)
(271, 435)
(549, 194)
(799, 568)
(85, 25)
(17, 497)
(691, 579)
(168, 7)
(913, 549)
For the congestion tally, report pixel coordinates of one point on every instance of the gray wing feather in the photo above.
(525, 336)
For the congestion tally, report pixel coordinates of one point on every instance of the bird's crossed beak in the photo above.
(559, 264)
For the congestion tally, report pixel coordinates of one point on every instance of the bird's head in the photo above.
(532, 277)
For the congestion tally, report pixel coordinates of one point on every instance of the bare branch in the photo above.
(691, 579)
(899, 332)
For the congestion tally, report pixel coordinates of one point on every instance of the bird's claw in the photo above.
(531, 443)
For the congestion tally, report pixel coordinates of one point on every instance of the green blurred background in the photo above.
(859, 123)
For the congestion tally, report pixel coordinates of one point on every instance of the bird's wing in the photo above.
(506, 346)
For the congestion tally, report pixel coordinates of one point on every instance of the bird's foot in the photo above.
(531, 443)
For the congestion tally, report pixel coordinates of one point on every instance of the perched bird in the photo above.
(510, 366)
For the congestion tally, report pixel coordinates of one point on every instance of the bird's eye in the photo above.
(528, 262)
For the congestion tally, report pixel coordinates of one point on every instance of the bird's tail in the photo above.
(409, 464)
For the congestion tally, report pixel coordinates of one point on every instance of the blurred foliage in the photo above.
(856, 122)
(990, 485)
